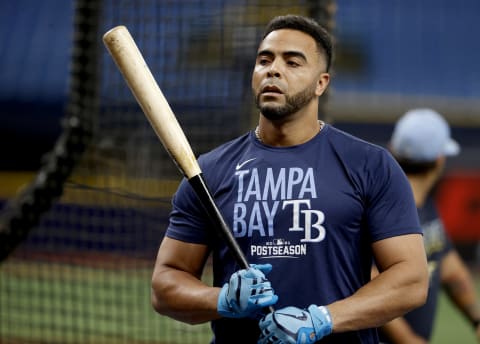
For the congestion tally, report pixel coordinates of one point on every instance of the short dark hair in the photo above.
(305, 25)
(416, 167)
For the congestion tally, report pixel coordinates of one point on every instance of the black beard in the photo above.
(292, 104)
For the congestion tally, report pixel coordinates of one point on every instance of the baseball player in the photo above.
(310, 206)
(421, 142)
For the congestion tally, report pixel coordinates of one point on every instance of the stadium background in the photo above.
(83, 175)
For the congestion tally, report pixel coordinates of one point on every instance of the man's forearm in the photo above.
(389, 295)
(181, 296)
(460, 287)
(399, 331)
(461, 291)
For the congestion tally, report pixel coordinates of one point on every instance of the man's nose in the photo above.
(274, 71)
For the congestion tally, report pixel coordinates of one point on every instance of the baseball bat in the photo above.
(141, 82)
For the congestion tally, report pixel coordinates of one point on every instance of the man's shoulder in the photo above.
(225, 153)
(352, 146)
(340, 136)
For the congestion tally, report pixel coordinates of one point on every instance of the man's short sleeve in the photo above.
(391, 208)
(187, 219)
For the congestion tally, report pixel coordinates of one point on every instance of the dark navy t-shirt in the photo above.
(437, 245)
(311, 210)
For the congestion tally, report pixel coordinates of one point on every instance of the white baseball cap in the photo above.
(422, 135)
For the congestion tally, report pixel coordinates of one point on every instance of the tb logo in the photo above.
(313, 220)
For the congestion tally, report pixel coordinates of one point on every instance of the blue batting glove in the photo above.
(247, 293)
(292, 325)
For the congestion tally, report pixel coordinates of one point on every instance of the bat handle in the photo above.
(206, 198)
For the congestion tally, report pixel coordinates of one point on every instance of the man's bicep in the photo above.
(406, 248)
(183, 256)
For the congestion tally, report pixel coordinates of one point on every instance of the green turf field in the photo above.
(58, 303)
(451, 326)
(61, 303)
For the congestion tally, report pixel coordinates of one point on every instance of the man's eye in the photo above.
(293, 63)
(263, 62)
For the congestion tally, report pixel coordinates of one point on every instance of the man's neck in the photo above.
(421, 187)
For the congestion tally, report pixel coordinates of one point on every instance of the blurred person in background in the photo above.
(420, 143)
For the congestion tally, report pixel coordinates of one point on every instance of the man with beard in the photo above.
(309, 205)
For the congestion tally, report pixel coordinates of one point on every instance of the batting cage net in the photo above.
(81, 239)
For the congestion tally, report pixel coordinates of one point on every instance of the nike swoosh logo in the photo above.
(301, 317)
(240, 165)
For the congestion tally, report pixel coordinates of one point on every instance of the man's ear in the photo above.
(440, 166)
(440, 162)
(322, 84)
